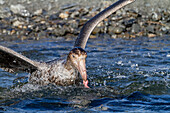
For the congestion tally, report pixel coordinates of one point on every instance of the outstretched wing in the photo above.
(12, 61)
(91, 24)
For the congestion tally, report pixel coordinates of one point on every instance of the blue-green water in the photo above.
(125, 76)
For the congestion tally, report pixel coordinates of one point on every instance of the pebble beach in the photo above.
(37, 19)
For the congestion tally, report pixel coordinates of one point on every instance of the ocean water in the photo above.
(124, 76)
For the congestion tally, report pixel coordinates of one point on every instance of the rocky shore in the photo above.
(36, 19)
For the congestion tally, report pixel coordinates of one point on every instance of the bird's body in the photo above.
(64, 72)
(55, 73)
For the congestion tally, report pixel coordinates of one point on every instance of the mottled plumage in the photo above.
(59, 72)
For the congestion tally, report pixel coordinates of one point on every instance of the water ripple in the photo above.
(125, 76)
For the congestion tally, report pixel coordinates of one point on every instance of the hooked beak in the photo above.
(82, 71)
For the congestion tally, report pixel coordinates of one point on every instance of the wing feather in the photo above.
(91, 24)
(12, 61)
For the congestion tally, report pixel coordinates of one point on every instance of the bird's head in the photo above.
(77, 57)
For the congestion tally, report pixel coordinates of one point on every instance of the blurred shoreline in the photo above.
(35, 19)
(55, 5)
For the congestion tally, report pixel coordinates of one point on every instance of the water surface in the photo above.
(125, 76)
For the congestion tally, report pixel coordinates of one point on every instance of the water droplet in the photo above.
(104, 83)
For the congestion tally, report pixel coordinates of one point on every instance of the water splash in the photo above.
(128, 75)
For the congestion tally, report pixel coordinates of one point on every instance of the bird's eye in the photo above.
(73, 56)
